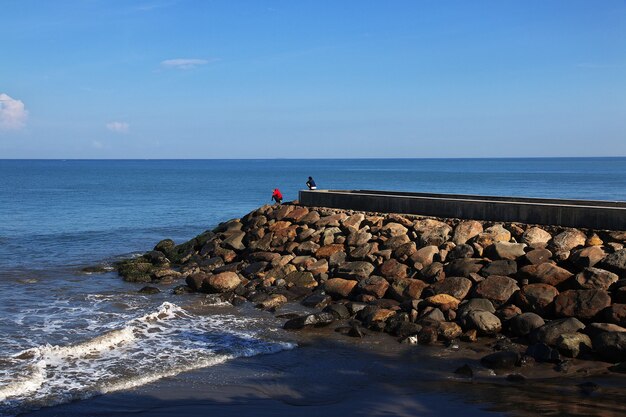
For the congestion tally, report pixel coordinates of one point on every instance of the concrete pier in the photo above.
(608, 215)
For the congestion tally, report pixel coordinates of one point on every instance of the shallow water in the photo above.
(67, 335)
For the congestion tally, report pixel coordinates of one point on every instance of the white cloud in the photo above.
(13, 114)
(118, 127)
(183, 63)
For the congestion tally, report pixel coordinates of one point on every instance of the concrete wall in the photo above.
(569, 213)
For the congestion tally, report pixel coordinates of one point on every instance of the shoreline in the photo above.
(336, 376)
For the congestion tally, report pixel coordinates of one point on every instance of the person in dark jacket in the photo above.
(311, 184)
(277, 196)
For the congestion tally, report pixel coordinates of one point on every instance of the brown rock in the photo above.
(463, 267)
(407, 288)
(355, 270)
(433, 272)
(497, 289)
(395, 242)
(449, 330)
(616, 314)
(425, 255)
(394, 229)
(505, 250)
(332, 220)
(354, 221)
(373, 285)
(328, 250)
(282, 211)
(536, 238)
(297, 214)
(310, 218)
(568, 240)
(582, 304)
(492, 235)
(405, 251)
(595, 278)
(359, 237)
(280, 271)
(364, 252)
(301, 279)
(466, 230)
(307, 248)
(432, 232)
(537, 298)
(538, 256)
(545, 273)
(594, 240)
(273, 302)
(443, 300)
(339, 287)
(588, 256)
(279, 225)
(457, 287)
(393, 269)
(225, 281)
(318, 267)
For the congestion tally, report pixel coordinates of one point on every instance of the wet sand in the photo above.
(334, 375)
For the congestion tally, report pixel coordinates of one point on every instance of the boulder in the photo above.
(222, 282)
(433, 272)
(496, 288)
(449, 330)
(297, 214)
(461, 251)
(337, 259)
(573, 344)
(505, 250)
(475, 304)
(431, 232)
(538, 256)
(483, 321)
(611, 346)
(536, 237)
(280, 272)
(354, 221)
(300, 279)
(541, 352)
(616, 314)
(359, 237)
(505, 359)
(393, 269)
(364, 252)
(595, 278)
(373, 285)
(272, 302)
(466, 230)
(457, 287)
(328, 250)
(550, 332)
(339, 287)
(583, 304)
(425, 255)
(493, 234)
(406, 288)
(443, 301)
(463, 267)
(405, 251)
(587, 257)
(545, 273)
(340, 311)
(568, 240)
(357, 270)
(395, 242)
(523, 324)
(317, 319)
(235, 241)
(311, 218)
(501, 267)
(394, 229)
(307, 248)
(537, 298)
(615, 262)
(317, 300)
(332, 220)
(318, 267)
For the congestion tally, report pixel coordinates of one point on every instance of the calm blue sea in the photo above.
(67, 335)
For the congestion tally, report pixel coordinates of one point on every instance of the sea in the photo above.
(67, 335)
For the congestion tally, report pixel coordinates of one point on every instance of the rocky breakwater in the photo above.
(537, 293)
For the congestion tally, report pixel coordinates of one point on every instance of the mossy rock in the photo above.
(135, 270)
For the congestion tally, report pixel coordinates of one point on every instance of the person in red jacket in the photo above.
(277, 196)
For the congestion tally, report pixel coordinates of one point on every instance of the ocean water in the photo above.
(67, 335)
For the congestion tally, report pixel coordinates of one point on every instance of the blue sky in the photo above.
(280, 79)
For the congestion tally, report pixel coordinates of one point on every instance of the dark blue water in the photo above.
(67, 335)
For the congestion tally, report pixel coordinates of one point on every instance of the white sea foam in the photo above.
(158, 344)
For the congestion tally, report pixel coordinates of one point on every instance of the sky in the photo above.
(312, 79)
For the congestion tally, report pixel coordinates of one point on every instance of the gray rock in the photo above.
(525, 323)
(475, 304)
(458, 287)
(483, 321)
(355, 270)
(615, 262)
(550, 332)
(595, 278)
(573, 344)
(611, 346)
